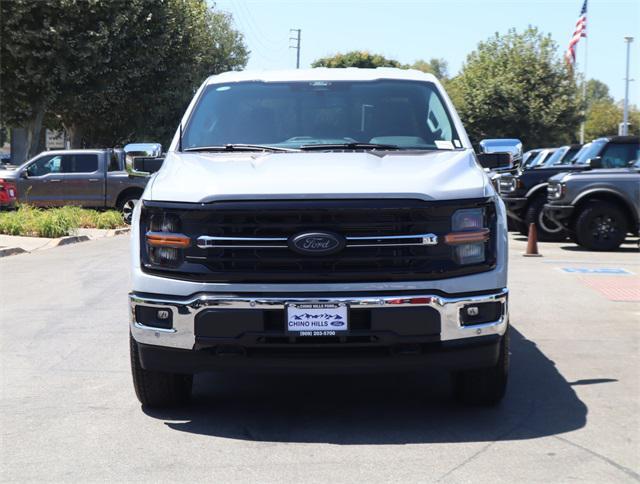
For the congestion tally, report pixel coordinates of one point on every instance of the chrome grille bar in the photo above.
(212, 242)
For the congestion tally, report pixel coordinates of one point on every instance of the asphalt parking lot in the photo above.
(572, 410)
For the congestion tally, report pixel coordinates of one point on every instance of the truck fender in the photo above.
(536, 188)
(610, 194)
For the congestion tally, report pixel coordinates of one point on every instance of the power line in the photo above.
(256, 26)
(255, 43)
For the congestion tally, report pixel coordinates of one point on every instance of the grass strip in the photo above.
(31, 221)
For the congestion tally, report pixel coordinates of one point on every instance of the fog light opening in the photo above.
(482, 313)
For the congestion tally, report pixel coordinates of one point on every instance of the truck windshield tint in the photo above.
(406, 114)
(556, 156)
(588, 151)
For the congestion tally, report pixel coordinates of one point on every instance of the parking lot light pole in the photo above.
(625, 117)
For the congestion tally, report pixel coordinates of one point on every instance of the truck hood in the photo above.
(9, 174)
(206, 177)
(601, 172)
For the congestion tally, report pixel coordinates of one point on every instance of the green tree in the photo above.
(515, 85)
(597, 91)
(604, 118)
(437, 67)
(110, 72)
(356, 58)
(152, 87)
(29, 74)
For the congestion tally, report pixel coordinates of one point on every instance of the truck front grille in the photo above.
(385, 240)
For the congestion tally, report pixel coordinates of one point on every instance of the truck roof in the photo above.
(323, 74)
(619, 139)
(73, 152)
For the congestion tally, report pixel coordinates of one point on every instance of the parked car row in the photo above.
(588, 193)
(96, 178)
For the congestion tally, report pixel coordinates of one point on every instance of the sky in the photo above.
(410, 30)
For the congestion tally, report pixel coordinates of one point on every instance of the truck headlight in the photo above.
(469, 235)
(507, 184)
(165, 243)
(556, 191)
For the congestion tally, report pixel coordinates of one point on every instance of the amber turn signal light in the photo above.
(467, 237)
(175, 241)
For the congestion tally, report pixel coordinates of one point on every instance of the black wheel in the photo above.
(601, 226)
(126, 205)
(484, 386)
(548, 230)
(156, 389)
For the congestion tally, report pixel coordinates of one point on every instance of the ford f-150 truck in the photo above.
(99, 178)
(320, 220)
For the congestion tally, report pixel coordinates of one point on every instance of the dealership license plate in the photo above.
(317, 319)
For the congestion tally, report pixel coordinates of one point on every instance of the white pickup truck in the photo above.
(320, 220)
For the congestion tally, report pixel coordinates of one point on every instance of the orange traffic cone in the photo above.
(532, 242)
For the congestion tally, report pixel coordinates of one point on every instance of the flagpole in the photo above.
(584, 85)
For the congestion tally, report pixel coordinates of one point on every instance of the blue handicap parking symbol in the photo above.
(597, 270)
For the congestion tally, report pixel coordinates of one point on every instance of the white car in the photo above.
(321, 219)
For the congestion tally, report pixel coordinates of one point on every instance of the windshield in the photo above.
(569, 155)
(529, 155)
(539, 158)
(588, 151)
(556, 156)
(406, 114)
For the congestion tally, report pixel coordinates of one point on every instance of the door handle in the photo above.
(54, 180)
(94, 179)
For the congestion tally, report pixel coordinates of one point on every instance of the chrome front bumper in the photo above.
(185, 310)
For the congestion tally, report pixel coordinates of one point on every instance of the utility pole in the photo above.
(297, 44)
(625, 118)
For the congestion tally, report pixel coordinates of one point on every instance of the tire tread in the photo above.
(484, 386)
(156, 389)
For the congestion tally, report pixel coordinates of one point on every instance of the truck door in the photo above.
(82, 180)
(39, 181)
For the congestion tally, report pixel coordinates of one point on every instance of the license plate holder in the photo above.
(316, 319)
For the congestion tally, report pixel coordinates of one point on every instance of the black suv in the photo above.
(525, 193)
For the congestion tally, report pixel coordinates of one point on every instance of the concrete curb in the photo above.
(61, 241)
(70, 239)
(7, 251)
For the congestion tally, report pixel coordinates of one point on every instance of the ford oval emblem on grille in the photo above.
(317, 243)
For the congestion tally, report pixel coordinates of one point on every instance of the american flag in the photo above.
(580, 31)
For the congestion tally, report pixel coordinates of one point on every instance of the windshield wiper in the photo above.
(239, 147)
(349, 146)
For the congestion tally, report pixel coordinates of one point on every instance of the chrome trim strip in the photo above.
(209, 242)
(153, 328)
(185, 311)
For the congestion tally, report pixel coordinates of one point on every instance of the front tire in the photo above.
(548, 230)
(484, 386)
(157, 389)
(601, 226)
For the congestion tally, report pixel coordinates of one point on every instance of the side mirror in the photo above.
(596, 162)
(24, 174)
(512, 146)
(144, 164)
(493, 161)
(140, 150)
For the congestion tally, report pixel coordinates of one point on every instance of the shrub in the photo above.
(56, 222)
